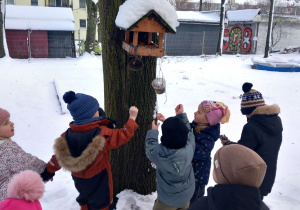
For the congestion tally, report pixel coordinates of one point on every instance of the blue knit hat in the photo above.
(81, 106)
(250, 99)
(174, 133)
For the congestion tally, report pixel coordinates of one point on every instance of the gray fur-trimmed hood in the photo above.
(67, 161)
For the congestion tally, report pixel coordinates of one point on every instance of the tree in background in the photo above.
(2, 51)
(91, 26)
(200, 5)
(221, 28)
(123, 88)
(268, 40)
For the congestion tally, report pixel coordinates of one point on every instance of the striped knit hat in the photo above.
(3, 115)
(250, 99)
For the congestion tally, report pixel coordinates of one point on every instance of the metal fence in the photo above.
(191, 43)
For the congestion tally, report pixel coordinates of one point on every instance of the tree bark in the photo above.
(91, 26)
(221, 29)
(267, 47)
(123, 88)
(2, 51)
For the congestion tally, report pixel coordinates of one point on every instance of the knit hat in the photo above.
(174, 133)
(250, 99)
(216, 112)
(237, 164)
(81, 106)
(24, 191)
(3, 115)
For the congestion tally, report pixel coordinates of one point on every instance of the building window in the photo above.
(34, 2)
(58, 3)
(81, 3)
(82, 23)
(10, 2)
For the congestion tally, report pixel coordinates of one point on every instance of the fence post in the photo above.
(203, 42)
(79, 42)
(28, 45)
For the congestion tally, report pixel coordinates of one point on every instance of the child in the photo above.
(24, 191)
(262, 132)
(206, 126)
(13, 158)
(173, 157)
(84, 149)
(238, 172)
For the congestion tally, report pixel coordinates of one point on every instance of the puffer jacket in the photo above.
(14, 160)
(230, 197)
(205, 142)
(174, 171)
(84, 150)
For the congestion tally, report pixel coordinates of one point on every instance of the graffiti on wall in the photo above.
(238, 39)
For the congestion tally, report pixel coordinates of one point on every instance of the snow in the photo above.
(39, 18)
(196, 16)
(29, 94)
(132, 10)
(242, 15)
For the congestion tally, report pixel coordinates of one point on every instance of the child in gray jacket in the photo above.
(173, 160)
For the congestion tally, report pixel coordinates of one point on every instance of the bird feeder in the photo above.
(139, 36)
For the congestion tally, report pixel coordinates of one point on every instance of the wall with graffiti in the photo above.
(239, 39)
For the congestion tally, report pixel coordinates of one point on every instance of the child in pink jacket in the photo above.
(13, 159)
(24, 191)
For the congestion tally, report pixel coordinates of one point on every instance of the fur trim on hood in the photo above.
(67, 161)
(266, 109)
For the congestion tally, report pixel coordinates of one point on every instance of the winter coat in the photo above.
(174, 171)
(230, 197)
(13, 159)
(263, 134)
(205, 142)
(84, 150)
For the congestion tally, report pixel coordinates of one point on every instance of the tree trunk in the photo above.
(123, 88)
(221, 28)
(268, 41)
(2, 51)
(91, 26)
(200, 6)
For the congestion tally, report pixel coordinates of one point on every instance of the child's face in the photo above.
(199, 115)
(7, 129)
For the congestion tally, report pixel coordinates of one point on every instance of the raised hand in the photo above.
(160, 117)
(133, 111)
(179, 109)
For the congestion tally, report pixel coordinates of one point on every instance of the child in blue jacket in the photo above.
(206, 127)
(173, 157)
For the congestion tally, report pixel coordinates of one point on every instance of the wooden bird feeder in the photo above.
(138, 37)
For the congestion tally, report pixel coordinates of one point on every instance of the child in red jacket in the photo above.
(84, 149)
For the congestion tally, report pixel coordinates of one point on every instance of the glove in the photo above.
(46, 175)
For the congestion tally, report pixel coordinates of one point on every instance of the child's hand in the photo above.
(179, 109)
(224, 139)
(155, 126)
(160, 117)
(133, 111)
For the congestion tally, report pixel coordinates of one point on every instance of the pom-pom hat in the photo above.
(250, 99)
(216, 112)
(24, 191)
(174, 133)
(82, 107)
(3, 115)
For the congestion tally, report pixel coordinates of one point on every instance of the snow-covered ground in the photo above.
(29, 94)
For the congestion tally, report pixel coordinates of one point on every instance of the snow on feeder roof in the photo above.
(140, 19)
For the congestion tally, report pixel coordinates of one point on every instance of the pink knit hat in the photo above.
(3, 115)
(216, 112)
(24, 191)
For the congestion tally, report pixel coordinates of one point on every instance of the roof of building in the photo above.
(242, 15)
(197, 16)
(39, 18)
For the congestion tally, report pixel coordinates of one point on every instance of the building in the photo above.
(78, 8)
(39, 32)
